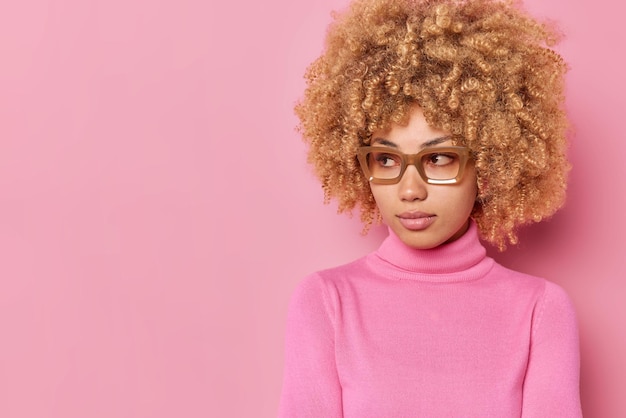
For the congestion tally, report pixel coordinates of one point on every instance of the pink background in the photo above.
(157, 211)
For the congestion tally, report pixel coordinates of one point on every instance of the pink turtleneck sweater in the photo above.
(445, 332)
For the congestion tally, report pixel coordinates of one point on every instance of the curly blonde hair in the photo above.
(480, 69)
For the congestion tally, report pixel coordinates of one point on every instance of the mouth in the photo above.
(416, 221)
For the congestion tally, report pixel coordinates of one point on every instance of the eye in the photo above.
(386, 160)
(440, 160)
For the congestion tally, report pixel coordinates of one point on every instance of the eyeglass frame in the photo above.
(415, 160)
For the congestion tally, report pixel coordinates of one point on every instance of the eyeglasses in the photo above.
(436, 165)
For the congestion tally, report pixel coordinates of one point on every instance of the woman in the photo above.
(443, 119)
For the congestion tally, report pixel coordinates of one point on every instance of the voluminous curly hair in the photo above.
(481, 69)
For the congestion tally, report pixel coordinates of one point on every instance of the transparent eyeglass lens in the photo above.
(435, 165)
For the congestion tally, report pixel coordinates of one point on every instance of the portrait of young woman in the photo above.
(445, 121)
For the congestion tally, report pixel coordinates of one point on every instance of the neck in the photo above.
(457, 256)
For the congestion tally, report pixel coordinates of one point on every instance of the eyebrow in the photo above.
(430, 143)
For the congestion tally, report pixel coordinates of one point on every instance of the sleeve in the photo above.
(311, 385)
(551, 386)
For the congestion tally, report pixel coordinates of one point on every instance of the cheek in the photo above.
(470, 195)
(455, 202)
(384, 197)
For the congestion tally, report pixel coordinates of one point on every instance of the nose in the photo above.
(411, 186)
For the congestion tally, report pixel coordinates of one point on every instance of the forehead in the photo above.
(416, 134)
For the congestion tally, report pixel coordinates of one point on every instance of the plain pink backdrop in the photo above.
(157, 211)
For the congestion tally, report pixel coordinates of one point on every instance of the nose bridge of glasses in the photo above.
(414, 160)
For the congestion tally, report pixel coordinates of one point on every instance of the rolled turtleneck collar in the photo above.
(461, 260)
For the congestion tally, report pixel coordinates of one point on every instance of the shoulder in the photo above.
(320, 290)
(521, 283)
(555, 311)
(331, 278)
(557, 296)
(551, 305)
(536, 291)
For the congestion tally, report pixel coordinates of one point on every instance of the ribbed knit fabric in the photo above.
(434, 333)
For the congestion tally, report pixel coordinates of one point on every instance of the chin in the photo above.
(419, 240)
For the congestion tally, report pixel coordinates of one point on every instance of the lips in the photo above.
(416, 221)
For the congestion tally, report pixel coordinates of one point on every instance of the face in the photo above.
(423, 215)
